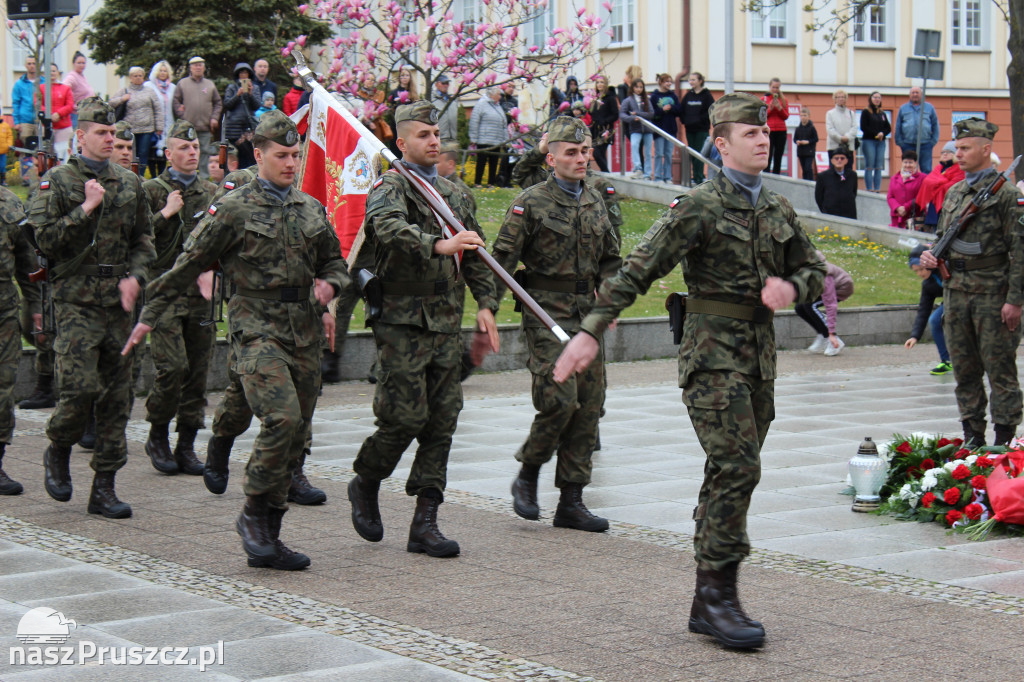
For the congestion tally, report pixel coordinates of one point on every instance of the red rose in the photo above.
(961, 453)
(943, 442)
(974, 511)
(913, 472)
(927, 499)
(982, 462)
(904, 448)
(952, 496)
(927, 463)
(953, 515)
(979, 482)
(961, 472)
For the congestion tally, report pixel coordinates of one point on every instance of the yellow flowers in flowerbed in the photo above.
(826, 235)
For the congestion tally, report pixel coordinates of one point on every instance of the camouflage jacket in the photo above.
(402, 231)
(533, 169)
(119, 229)
(264, 245)
(169, 234)
(998, 227)
(728, 250)
(17, 259)
(467, 193)
(557, 237)
(233, 180)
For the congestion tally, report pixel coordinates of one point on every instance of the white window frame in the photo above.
(767, 20)
(622, 23)
(958, 11)
(406, 26)
(541, 26)
(19, 53)
(864, 25)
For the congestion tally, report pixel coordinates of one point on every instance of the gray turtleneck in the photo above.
(181, 178)
(428, 173)
(278, 191)
(973, 178)
(96, 166)
(748, 185)
(572, 188)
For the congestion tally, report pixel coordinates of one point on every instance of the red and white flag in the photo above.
(337, 167)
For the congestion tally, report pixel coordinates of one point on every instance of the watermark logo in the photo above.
(45, 633)
(44, 626)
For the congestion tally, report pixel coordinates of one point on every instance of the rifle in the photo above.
(45, 158)
(945, 242)
(216, 306)
(42, 278)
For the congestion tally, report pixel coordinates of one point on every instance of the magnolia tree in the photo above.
(29, 34)
(500, 41)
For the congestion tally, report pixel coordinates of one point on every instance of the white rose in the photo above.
(928, 482)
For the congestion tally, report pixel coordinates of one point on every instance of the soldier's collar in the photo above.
(181, 178)
(96, 167)
(731, 198)
(564, 199)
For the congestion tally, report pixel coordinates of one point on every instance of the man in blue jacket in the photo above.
(905, 130)
(22, 105)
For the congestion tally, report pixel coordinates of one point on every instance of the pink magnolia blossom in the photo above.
(303, 8)
(301, 41)
(607, 5)
(564, 106)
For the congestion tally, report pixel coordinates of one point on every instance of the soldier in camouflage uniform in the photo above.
(124, 145)
(560, 231)
(17, 261)
(418, 334)
(984, 293)
(179, 345)
(92, 221)
(744, 255)
(277, 251)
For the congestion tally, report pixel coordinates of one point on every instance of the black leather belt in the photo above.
(283, 294)
(103, 270)
(417, 288)
(963, 265)
(750, 313)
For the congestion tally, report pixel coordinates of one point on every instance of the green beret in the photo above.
(974, 127)
(739, 107)
(277, 127)
(123, 131)
(95, 110)
(183, 130)
(422, 111)
(450, 147)
(567, 129)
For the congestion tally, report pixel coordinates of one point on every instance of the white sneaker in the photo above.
(637, 175)
(830, 351)
(818, 345)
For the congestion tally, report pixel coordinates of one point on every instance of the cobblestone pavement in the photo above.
(841, 594)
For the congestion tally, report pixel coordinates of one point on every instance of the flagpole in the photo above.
(432, 198)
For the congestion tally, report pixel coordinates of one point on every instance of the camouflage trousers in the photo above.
(418, 396)
(343, 306)
(979, 344)
(730, 413)
(10, 350)
(43, 344)
(181, 349)
(280, 384)
(90, 369)
(567, 413)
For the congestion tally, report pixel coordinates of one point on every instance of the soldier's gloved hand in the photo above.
(324, 291)
(1011, 316)
(129, 288)
(205, 284)
(136, 337)
(576, 356)
(462, 241)
(778, 293)
(330, 326)
(173, 205)
(93, 195)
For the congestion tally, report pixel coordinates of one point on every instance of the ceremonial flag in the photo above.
(337, 166)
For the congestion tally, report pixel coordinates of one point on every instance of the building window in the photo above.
(869, 26)
(622, 21)
(966, 23)
(771, 23)
(470, 13)
(407, 26)
(541, 25)
(19, 53)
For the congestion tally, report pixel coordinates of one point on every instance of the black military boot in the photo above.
(158, 447)
(88, 440)
(8, 486)
(424, 535)
(362, 493)
(285, 559)
(252, 526)
(215, 473)
(572, 513)
(185, 453)
(103, 499)
(330, 373)
(301, 491)
(57, 477)
(974, 435)
(42, 396)
(717, 612)
(1004, 434)
(524, 493)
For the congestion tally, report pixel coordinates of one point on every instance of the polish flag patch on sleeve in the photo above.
(229, 185)
(1020, 200)
(674, 202)
(518, 210)
(45, 184)
(379, 180)
(212, 210)
(610, 190)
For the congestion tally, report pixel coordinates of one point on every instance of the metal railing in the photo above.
(685, 158)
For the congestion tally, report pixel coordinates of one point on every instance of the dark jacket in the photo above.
(695, 109)
(806, 132)
(666, 120)
(871, 124)
(570, 96)
(239, 107)
(632, 106)
(605, 113)
(931, 289)
(836, 195)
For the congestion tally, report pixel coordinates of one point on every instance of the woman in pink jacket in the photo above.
(903, 191)
(822, 313)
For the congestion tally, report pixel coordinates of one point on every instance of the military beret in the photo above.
(183, 130)
(277, 127)
(95, 110)
(450, 147)
(739, 107)
(974, 127)
(123, 131)
(567, 129)
(422, 111)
